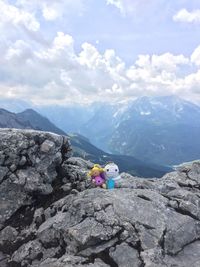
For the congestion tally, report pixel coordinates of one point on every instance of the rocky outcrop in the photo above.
(51, 216)
(28, 167)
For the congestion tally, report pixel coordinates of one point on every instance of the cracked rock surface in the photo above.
(51, 216)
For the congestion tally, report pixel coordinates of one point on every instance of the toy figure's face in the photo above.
(95, 173)
(111, 170)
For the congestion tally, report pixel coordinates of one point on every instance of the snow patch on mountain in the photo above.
(145, 113)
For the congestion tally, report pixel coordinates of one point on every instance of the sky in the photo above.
(82, 51)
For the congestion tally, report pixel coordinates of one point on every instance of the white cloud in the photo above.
(11, 15)
(61, 47)
(195, 57)
(167, 62)
(53, 72)
(117, 3)
(129, 6)
(62, 72)
(52, 9)
(138, 8)
(19, 50)
(57, 74)
(50, 13)
(184, 15)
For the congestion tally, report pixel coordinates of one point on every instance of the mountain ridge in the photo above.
(147, 125)
(151, 129)
(82, 147)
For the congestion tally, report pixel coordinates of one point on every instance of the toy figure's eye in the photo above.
(107, 170)
(116, 170)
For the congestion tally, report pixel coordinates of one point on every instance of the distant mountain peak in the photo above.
(29, 111)
(2, 110)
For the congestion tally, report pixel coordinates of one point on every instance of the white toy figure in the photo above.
(112, 174)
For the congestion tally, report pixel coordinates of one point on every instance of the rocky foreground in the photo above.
(50, 217)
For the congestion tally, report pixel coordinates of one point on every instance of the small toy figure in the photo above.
(112, 174)
(97, 175)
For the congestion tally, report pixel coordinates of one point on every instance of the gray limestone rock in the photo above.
(29, 161)
(3, 260)
(125, 256)
(51, 216)
(7, 236)
(27, 253)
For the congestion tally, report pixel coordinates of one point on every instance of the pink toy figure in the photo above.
(97, 176)
(98, 180)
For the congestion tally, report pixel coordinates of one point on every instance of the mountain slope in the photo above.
(129, 164)
(38, 122)
(10, 119)
(82, 147)
(69, 118)
(99, 128)
(163, 130)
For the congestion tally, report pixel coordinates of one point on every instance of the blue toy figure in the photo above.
(112, 174)
(110, 183)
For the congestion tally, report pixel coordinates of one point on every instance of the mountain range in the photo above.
(161, 130)
(30, 119)
(165, 130)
